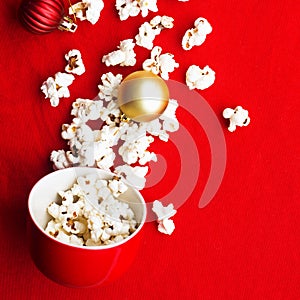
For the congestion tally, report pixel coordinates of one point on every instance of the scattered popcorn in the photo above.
(57, 87)
(166, 226)
(152, 64)
(90, 215)
(170, 122)
(75, 64)
(148, 31)
(133, 175)
(131, 8)
(112, 114)
(109, 88)
(85, 110)
(114, 58)
(197, 35)
(162, 64)
(63, 79)
(201, 79)
(134, 150)
(62, 159)
(127, 8)
(161, 22)
(146, 36)
(167, 65)
(98, 135)
(154, 128)
(146, 5)
(87, 10)
(164, 213)
(237, 117)
(104, 155)
(124, 56)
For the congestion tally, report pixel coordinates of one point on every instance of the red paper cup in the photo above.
(78, 266)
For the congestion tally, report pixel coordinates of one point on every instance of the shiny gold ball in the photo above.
(143, 96)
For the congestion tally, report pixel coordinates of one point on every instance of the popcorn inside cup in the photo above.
(91, 213)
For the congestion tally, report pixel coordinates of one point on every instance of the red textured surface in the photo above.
(245, 243)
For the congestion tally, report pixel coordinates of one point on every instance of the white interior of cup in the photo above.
(46, 191)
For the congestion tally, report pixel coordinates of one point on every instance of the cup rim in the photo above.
(92, 248)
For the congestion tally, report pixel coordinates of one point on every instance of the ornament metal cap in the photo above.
(67, 24)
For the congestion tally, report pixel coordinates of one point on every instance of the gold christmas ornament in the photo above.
(143, 96)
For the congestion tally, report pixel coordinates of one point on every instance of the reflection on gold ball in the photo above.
(143, 96)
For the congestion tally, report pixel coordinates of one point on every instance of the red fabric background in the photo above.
(245, 243)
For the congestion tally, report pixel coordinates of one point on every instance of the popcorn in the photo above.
(131, 151)
(133, 175)
(63, 80)
(148, 31)
(57, 87)
(237, 117)
(167, 65)
(166, 226)
(98, 145)
(131, 8)
(146, 36)
(87, 10)
(55, 230)
(164, 213)
(110, 85)
(170, 122)
(146, 5)
(84, 133)
(49, 88)
(201, 79)
(127, 8)
(112, 109)
(124, 56)
(161, 22)
(117, 186)
(197, 35)
(114, 58)
(85, 109)
(110, 134)
(154, 128)
(90, 215)
(90, 147)
(152, 64)
(75, 64)
(104, 156)
(62, 159)
(162, 64)
(74, 240)
(69, 131)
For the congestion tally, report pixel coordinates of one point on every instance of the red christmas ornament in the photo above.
(44, 16)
